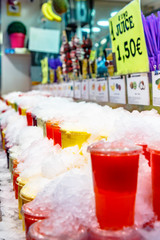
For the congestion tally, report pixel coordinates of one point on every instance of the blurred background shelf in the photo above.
(17, 51)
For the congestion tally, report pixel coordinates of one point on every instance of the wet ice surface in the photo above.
(10, 226)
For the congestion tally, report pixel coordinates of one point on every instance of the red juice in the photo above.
(49, 129)
(115, 183)
(31, 216)
(145, 151)
(20, 110)
(39, 230)
(155, 173)
(128, 234)
(57, 134)
(15, 176)
(29, 119)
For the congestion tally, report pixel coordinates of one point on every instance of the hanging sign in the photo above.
(128, 40)
(117, 89)
(156, 88)
(138, 89)
(101, 90)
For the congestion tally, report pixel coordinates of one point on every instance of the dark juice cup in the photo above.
(114, 170)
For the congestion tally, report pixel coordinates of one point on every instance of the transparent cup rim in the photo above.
(128, 150)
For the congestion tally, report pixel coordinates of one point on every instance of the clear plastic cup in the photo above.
(115, 170)
(31, 215)
(155, 174)
(49, 129)
(57, 133)
(127, 234)
(29, 119)
(37, 231)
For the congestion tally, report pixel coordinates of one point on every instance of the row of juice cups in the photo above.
(30, 218)
(101, 186)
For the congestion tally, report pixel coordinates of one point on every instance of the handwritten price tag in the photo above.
(128, 41)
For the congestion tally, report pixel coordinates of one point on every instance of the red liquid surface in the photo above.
(57, 135)
(155, 165)
(29, 119)
(115, 185)
(49, 130)
(31, 217)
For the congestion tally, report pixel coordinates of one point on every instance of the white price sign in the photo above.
(77, 90)
(138, 89)
(70, 89)
(65, 90)
(55, 89)
(92, 89)
(156, 88)
(59, 90)
(85, 89)
(101, 90)
(117, 89)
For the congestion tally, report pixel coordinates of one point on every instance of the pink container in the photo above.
(17, 40)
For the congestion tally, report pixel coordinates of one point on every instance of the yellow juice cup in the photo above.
(20, 182)
(3, 139)
(40, 123)
(72, 138)
(23, 111)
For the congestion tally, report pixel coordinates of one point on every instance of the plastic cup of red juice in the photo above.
(29, 119)
(127, 234)
(155, 174)
(43, 230)
(19, 110)
(115, 170)
(49, 129)
(33, 215)
(145, 151)
(57, 134)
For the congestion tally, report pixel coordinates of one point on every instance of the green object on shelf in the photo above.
(16, 27)
(60, 6)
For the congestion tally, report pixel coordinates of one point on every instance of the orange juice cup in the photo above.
(49, 129)
(115, 170)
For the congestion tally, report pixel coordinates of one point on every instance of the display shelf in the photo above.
(17, 51)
